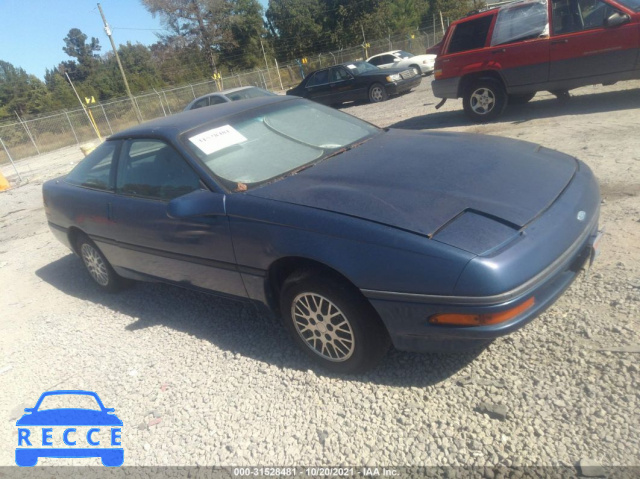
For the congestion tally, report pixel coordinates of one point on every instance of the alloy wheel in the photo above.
(95, 264)
(482, 101)
(323, 327)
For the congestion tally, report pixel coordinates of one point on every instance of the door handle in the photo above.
(557, 42)
(502, 50)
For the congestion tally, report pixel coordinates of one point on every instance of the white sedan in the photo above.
(422, 64)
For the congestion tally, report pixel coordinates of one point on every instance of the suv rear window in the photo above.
(470, 35)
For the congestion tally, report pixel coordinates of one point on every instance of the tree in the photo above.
(21, 92)
(87, 58)
(245, 23)
(199, 22)
(296, 27)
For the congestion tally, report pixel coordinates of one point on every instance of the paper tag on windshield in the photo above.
(217, 139)
(351, 66)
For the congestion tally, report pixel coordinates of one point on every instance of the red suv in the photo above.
(507, 54)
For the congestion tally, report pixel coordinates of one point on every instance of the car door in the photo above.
(89, 204)
(388, 61)
(343, 85)
(318, 88)
(519, 46)
(583, 45)
(193, 251)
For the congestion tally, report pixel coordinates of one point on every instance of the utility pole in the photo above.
(364, 43)
(95, 128)
(107, 30)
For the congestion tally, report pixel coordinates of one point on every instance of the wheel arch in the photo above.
(283, 268)
(468, 79)
(73, 233)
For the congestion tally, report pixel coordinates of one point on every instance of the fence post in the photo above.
(72, 129)
(24, 125)
(11, 160)
(279, 76)
(106, 118)
(192, 91)
(167, 102)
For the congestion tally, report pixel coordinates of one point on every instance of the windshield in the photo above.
(264, 144)
(360, 67)
(632, 4)
(404, 54)
(248, 93)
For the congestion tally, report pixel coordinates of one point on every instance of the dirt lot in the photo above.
(199, 380)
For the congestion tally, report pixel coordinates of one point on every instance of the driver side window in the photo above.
(153, 169)
(577, 15)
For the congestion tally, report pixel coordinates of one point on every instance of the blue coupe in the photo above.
(358, 237)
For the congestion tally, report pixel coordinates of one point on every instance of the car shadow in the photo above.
(547, 107)
(238, 327)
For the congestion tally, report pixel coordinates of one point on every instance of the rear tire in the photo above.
(98, 267)
(484, 100)
(377, 93)
(333, 323)
(521, 99)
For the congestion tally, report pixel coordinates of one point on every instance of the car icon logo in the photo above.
(581, 215)
(69, 432)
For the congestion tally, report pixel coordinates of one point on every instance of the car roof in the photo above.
(390, 52)
(174, 125)
(230, 90)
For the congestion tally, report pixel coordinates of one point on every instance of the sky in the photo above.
(33, 31)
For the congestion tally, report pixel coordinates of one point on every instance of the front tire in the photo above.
(377, 93)
(417, 69)
(333, 323)
(98, 267)
(484, 100)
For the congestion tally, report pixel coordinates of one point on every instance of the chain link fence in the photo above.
(31, 137)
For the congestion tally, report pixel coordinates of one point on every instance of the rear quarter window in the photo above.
(470, 35)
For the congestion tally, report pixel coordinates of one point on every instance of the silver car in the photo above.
(226, 96)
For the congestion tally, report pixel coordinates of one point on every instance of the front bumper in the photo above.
(402, 86)
(559, 253)
(410, 329)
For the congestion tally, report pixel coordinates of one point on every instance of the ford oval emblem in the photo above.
(581, 215)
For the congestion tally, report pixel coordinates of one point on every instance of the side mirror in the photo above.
(396, 60)
(28, 409)
(616, 19)
(109, 410)
(197, 203)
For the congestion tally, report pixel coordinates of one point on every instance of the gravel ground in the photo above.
(203, 381)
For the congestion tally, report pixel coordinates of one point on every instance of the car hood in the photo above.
(381, 72)
(69, 417)
(419, 181)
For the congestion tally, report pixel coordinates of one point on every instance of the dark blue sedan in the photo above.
(358, 237)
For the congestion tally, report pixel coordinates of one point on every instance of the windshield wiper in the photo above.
(345, 148)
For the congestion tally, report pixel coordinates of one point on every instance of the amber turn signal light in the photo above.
(455, 319)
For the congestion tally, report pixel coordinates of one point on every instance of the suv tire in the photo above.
(484, 100)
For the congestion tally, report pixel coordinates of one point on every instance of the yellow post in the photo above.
(4, 183)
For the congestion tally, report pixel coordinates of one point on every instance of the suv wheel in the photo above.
(332, 323)
(485, 100)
